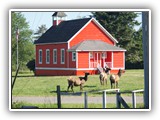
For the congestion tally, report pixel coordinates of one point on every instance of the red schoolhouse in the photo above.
(72, 47)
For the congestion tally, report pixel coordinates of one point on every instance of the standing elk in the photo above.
(103, 75)
(77, 81)
(114, 78)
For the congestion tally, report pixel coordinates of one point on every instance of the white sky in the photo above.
(36, 19)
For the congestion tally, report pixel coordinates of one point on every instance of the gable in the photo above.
(92, 31)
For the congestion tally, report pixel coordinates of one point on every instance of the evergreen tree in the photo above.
(25, 45)
(121, 25)
(40, 31)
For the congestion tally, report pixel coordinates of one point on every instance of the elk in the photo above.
(77, 81)
(103, 75)
(114, 78)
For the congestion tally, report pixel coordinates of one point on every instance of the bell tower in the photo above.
(58, 17)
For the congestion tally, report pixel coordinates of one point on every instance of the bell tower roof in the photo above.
(59, 14)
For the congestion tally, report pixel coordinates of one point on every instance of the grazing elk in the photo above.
(77, 82)
(115, 78)
(103, 75)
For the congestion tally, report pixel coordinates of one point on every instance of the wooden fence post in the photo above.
(58, 97)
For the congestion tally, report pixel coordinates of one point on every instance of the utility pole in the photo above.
(145, 28)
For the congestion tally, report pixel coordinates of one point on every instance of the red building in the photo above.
(75, 46)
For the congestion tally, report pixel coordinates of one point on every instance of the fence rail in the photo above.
(119, 99)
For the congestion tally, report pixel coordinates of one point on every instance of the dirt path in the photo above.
(73, 99)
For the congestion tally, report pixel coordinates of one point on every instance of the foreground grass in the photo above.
(70, 106)
(29, 85)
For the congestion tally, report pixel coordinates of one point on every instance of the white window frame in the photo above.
(104, 54)
(47, 60)
(54, 56)
(91, 54)
(62, 62)
(40, 61)
(73, 56)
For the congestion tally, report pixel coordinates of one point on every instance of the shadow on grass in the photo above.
(68, 93)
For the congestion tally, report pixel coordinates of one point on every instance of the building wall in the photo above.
(83, 59)
(118, 60)
(91, 32)
(51, 47)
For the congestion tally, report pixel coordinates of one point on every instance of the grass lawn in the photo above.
(28, 85)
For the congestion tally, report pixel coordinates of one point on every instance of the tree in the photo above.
(121, 26)
(25, 44)
(40, 31)
(31, 65)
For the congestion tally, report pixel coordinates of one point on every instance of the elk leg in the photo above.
(111, 85)
(72, 88)
(68, 87)
(116, 84)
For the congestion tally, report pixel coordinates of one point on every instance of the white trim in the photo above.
(76, 59)
(112, 59)
(50, 68)
(95, 50)
(47, 62)
(54, 50)
(73, 53)
(40, 50)
(63, 62)
(104, 30)
(79, 31)
(99, 25)
(50, 43)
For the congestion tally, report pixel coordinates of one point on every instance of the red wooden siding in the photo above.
(118, 59)
(83, 59)
(51, 47)
(91, 32)
(72, 64)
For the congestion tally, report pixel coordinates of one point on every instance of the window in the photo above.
(73, 56)
(47, 56)
(104, 55)
(62, 56)
(91, 54)
(54, 56)
(40, 56)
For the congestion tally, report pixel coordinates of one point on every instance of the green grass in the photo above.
(29, 85)
(17, 105)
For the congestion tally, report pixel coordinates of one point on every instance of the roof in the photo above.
(63, 32)
(95, 45)
(59, 14)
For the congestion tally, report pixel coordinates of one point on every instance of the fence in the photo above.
(119, 100)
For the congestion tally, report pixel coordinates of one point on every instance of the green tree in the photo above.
(25, 44)
(40, 31)
(122, 26)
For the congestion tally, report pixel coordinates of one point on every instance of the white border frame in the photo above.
(91, 10)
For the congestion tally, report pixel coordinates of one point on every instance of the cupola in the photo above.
(58, 17)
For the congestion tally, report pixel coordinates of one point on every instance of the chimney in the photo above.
(58, 17)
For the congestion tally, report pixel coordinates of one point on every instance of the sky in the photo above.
(36, 19)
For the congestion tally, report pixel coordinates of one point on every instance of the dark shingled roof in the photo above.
(63, 32)
(95, 45)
